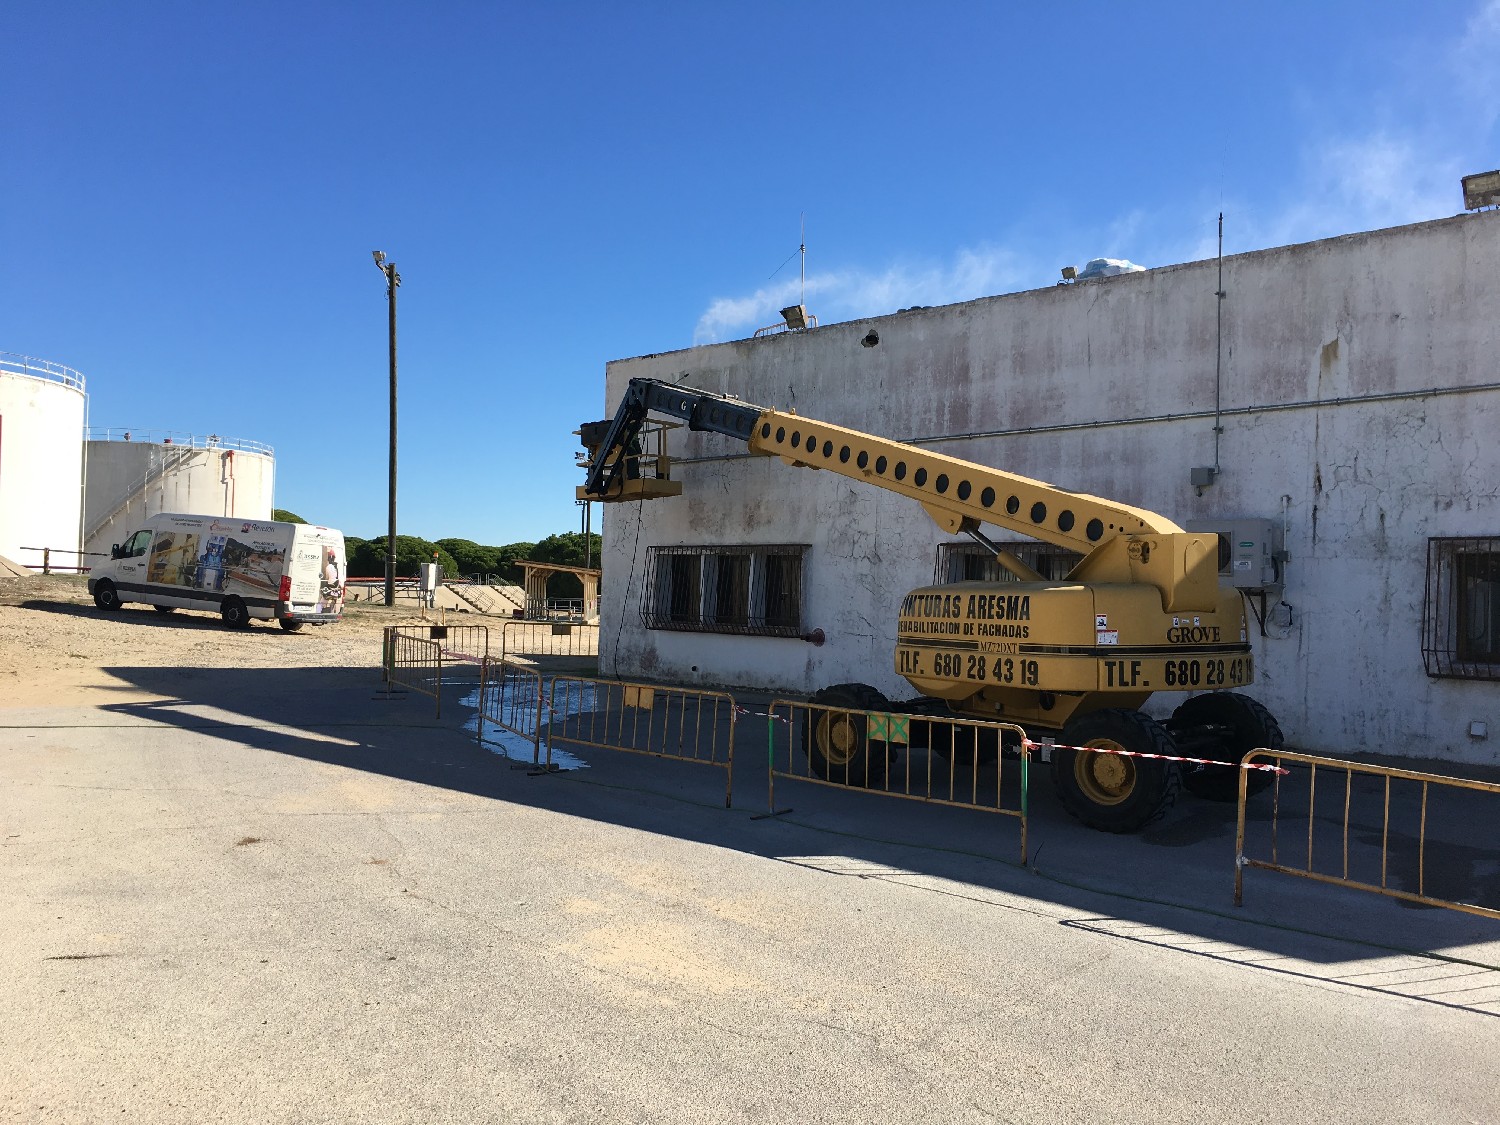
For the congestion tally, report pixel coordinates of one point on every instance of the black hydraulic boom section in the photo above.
(701, 410)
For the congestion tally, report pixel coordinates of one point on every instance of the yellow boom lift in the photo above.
(1071, 661)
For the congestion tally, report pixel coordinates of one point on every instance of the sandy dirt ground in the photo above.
(57, 647)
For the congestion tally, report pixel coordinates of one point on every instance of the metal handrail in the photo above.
(773, 329)
(47, 566)
(180, 438)
(45, 370)
(154, 473)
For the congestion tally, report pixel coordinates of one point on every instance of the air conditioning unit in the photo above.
(1250, 550)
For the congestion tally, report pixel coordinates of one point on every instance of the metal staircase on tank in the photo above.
(176, 460)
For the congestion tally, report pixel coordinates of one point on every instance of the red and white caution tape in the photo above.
(738, 711)
(1264, 767)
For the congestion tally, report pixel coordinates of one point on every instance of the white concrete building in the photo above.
(132, 475)
(42, 413)
(1357, 382)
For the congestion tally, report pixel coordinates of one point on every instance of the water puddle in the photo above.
(518, 748)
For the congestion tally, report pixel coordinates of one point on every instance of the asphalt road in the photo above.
(269, 897)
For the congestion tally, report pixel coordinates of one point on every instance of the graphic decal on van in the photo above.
(252, 566)
(331, 587)
(211, 565)
(173, 558)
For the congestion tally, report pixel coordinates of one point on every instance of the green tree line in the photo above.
(466, 557)
(366, 557)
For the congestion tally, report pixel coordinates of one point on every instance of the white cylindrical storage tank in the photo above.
(42, 412)
(133, 474)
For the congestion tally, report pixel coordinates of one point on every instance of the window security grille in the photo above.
(750, 589)
(970, 562)
(1461, 610)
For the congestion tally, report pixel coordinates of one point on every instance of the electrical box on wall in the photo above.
(1250, 551)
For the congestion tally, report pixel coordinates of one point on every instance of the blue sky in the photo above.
(190, 194)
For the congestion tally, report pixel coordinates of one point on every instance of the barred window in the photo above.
(972, 562)
(750, 589)
(684, 596)
(732, 590)
(1461, 610)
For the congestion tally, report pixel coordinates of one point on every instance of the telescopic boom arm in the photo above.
(1120, 543)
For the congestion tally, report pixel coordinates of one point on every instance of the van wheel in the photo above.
(105, 595)
(235, 615)
(290, 626)
(163, 609)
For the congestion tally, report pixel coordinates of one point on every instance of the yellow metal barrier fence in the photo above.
(468, 644)
(414, 663)
(511, 697)
(943, 764)
(549, 638)
(684, 724)
(1374, 790)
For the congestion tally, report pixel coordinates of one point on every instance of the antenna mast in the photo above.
(802, 297)
(794, 318)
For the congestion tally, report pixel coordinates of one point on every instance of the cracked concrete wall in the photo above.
(1361, 485)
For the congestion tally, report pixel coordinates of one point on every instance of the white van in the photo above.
(241, 569)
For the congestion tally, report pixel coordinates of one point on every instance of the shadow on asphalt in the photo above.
(1171, 885)
(144, 615)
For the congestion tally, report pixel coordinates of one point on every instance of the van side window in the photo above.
(136, 544)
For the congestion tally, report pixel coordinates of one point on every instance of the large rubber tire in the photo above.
(290, 626)
(835, 744)
(106, 597)
(235, 615)
(1247, 726)
(1114, 792)
(163, 609)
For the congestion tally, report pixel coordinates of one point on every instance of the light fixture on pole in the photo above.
(795, 317)
(393, 281)
(1481, 190)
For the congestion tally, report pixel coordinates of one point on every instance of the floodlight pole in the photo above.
(588, 538)
(393, 281)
